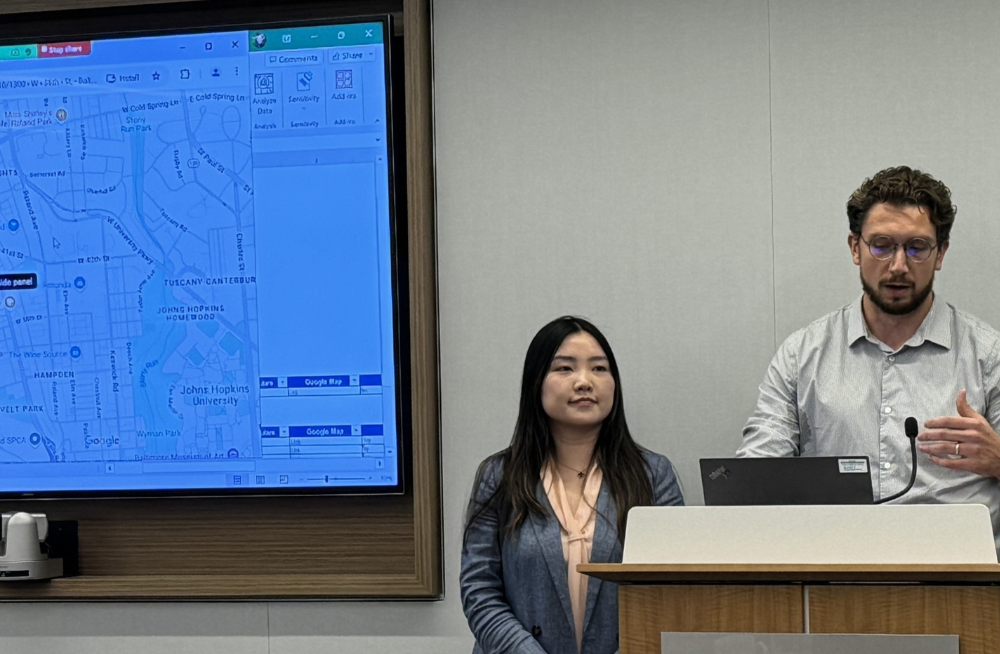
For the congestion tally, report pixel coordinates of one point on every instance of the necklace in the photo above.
(579, 473)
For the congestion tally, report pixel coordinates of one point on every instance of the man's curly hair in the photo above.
(903, 187)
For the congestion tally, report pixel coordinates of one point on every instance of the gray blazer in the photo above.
(515, 593)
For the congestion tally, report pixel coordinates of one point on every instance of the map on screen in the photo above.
(196, 265)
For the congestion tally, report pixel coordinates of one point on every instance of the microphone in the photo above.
(911, 429)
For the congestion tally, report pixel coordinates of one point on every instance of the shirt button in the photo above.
(892, 359)
(887, 410)
(886, 466)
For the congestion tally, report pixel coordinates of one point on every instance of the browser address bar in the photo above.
(18, 83)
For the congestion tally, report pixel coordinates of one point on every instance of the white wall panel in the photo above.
(610, 160)
(860, 86)
(150, 628)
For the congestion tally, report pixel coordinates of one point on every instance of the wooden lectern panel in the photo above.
(645, 611)
(971, 612)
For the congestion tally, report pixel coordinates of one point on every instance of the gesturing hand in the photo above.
(964, 442)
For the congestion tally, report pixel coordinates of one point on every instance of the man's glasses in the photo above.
(883, 248)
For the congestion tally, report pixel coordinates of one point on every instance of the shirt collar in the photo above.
(935, 328)
(856, 326)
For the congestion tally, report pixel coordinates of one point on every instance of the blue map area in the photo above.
(135, 212)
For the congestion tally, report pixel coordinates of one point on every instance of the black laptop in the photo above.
(787, 480)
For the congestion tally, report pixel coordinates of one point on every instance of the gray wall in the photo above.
(677, 172)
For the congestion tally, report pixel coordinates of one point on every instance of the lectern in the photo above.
(890, 569)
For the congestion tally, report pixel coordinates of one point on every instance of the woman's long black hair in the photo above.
(626, 473)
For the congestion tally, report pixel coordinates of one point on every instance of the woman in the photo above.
(556, 497)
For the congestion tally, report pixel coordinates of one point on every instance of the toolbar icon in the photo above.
(263, 84)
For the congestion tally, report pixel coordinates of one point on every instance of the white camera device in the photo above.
(21, 555)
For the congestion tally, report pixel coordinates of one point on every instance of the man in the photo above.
(845, 384)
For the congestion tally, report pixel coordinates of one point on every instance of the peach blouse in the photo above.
(577, 531)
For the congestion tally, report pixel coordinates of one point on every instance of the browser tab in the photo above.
(18, 52)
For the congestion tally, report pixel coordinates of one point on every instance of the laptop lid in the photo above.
(787, 480)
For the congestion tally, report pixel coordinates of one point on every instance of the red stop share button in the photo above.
(72, 49)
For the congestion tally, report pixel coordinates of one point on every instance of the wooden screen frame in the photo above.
(258, 548)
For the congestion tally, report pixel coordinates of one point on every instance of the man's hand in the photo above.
(966, 442)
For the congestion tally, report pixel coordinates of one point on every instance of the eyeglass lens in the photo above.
(917, 249)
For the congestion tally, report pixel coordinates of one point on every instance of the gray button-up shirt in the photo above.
(833, 389)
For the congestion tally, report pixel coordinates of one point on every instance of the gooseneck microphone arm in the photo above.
(910, 426)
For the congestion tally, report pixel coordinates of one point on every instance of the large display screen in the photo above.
(196, 263)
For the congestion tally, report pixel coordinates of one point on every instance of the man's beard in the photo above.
(896, 309)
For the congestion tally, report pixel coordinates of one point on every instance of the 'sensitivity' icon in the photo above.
(303, 81)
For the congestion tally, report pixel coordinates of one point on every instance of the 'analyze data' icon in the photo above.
(263, 84)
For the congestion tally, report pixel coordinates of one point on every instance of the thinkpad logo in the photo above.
(721, 471)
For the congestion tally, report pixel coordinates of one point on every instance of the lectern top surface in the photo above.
(673, 573)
